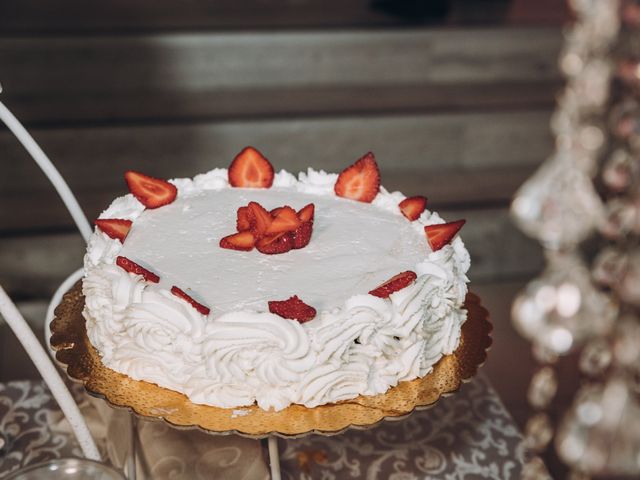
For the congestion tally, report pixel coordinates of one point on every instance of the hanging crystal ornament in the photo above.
(562, 308)
(558, 205)
(600, 433)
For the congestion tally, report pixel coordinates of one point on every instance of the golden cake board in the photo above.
(83, 364)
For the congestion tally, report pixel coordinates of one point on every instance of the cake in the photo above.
(244, 286)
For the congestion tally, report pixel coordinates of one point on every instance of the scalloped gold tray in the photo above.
(82, 362)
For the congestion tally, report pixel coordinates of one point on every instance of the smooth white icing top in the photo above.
(240, 353)
(353, 249)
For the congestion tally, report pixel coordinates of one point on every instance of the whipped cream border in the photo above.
(246, 357)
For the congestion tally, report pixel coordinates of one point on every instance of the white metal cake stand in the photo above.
(65, 332)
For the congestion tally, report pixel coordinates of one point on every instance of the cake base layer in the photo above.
(83, 364)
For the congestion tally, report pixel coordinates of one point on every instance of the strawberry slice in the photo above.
(306, 213)
(413, 207)
(301, 236)
(275, 211)
(133, 267)
(293, 309)
(275, 244)
(259, 218)
(360, 181)
(243, 222)
(197, 305)
(440, 235)
(250, 169)
(151, 192)
(244, 241)
(116, 228)
(398, 282)
(286, 220)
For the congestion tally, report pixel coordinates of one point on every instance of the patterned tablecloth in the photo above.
(469, 435)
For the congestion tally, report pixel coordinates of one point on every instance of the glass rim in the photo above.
(116, 474)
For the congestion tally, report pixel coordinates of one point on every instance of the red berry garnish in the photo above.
(243, 222)
(360, 181)
(275, 244)
(413, 207)
(440, 235)
(302, 235)
(307, 213)
(293, 309)
(114, 227)
(259, 219)
(244, 241)
(133, 267)
(285, 220)
(394, 284)
(198, 306)
(250, 169)
(151, 192)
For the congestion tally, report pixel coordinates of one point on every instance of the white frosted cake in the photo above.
(214, 288)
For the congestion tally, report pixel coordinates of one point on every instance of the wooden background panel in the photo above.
(123, 15)
(34, 265)
(436, 155)
(78, 16)
(215, 75)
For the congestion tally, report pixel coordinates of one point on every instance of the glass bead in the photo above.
(620, 171)
(595, 357)
(628, 288)
(609, 266)
(542, 388)
(626, 341)
(535, 469)
(538, 432)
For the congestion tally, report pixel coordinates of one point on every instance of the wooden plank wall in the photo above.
(455, 112)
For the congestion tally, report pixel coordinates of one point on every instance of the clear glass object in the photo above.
(558, 205)
(561, 309)
(600, 433)
(67, 469)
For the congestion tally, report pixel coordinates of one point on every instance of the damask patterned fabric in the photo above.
(467, 436)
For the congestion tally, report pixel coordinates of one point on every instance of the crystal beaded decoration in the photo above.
(562, 309)
(601, 431)
(558, 205)
(597, 130)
